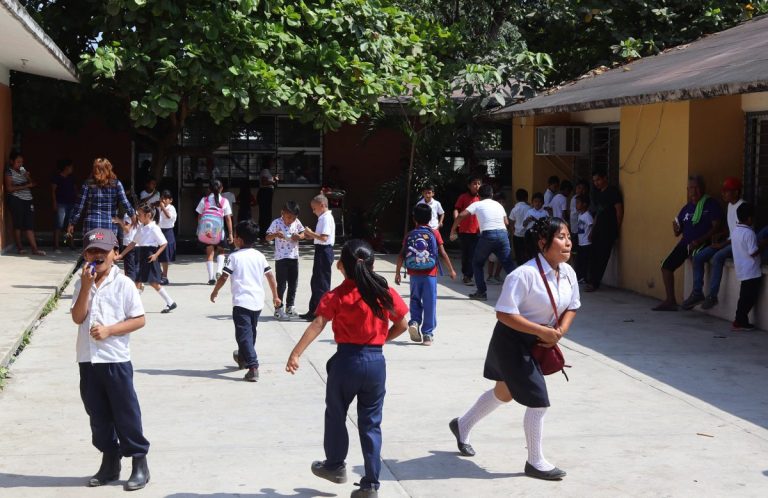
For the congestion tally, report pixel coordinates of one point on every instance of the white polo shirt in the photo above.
(224, 204)
(744, 245)
(246, 269)
(114, 301)
(149, 235)
(535, 214)
(147, 198)
(326, 225)
(584, 227)
(732, 217)
(573, 213)
(559, 205)
(437, 211)
(490, 214)
(518, 215)
(170, 220)
(524, 292)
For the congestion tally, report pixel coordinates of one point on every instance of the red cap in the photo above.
(732, 183)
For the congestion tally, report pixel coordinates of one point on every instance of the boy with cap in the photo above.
(716, 253)
(106, 307)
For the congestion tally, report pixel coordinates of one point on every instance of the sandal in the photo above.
(38, 252)
(21, 251)
(665, 307)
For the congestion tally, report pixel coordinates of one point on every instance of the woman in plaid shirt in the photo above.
(99, 200)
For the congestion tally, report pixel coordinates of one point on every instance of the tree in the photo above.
(325, 61)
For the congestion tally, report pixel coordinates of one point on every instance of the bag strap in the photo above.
(549, 291)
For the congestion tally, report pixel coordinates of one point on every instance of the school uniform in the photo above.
(130, 261)
(106, 372)
(748, 270)
(423, 286)
(437, 212)
(166, 224)
(147, 239)
(226, 210)
(584, 225)
(246, 269)
(357, 369)
(509, 352)
(286, 258)
(320, 283)
(517, 217)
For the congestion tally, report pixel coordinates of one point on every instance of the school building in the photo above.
(24, 47)
(700, 108)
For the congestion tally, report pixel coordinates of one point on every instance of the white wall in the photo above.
(754, 102)
(597, 116)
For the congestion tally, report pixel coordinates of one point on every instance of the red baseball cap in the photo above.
(732, 183)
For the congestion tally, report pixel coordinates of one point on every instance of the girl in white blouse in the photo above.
(525, 317)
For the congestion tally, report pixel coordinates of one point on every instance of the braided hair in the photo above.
(543, 229)
(357, 259)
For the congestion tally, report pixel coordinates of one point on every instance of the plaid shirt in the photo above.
(101, 206)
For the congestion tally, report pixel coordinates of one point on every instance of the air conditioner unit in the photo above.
(562, 140)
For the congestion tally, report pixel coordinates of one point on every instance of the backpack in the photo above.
(420, 251)
(210, 226)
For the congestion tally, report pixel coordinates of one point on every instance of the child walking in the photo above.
(286, 231)
(746, 261)
(360, 309)
(167, 220)
(151, 243)
(106, 307)
(324, 236)
(248, 268)
(421, 248)
(216, 211)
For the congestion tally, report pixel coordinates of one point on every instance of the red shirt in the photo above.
(353, 321)
(468, 224)
(433, 271)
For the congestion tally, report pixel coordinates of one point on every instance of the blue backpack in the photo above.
(420, 251)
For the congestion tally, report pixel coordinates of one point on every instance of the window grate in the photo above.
(756, 165)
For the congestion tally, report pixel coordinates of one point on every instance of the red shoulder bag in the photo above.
(550, 360)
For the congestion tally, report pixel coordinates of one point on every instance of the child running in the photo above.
(151, 243)
(286, 231)
(167, 219)
(421, 248)
(247, 267)
(215, 213)
(107, 308)
(360, 309)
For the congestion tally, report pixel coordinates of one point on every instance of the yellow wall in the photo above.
(530, 171)
(716, 145)
(6, 137)
(654, 156)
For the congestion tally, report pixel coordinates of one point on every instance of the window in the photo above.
(756, 166)
(604, 153)
(289, 148)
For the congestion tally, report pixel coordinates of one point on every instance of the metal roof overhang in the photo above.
(25, 47)
(730, 62)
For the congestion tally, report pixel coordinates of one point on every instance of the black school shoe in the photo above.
(108, 472)
(307, 316)
(339, 476)
(169, 308)
(464, 448)
(478, 296)
(548, 475)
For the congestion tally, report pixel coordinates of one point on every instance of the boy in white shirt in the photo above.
(248, 268)
(166, 222)
(537, 210)
(584, 231)
(559, 203)
(438, 215)
(286, 231)
(553, 187)
(746, 261)
(107, 308)
(324, 236)
(517, 217)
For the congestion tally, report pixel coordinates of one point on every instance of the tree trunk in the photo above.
(414, 138)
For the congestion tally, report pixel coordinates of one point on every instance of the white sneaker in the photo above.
(281, 315)
(414, 332)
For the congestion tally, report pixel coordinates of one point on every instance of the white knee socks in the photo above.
(220, 263)
(209, 266)
(485, 404)
(533, 424)
(164, 294)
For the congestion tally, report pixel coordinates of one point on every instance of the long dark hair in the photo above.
(543, 229)
(216, 187)
(357, 259)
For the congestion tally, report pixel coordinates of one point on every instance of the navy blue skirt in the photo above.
(169, 254)
(509, 360)
(130, 266)
(148, 272)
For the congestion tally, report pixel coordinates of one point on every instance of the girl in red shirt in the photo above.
(360, 309)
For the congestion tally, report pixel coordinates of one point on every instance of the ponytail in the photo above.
(543, 229)
(216, 188)
(357, 259)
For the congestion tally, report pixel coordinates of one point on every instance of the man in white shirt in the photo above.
(438, 215)
(324, 236)
(494, 237)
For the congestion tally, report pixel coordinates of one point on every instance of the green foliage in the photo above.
(4, 374)
(583, 34)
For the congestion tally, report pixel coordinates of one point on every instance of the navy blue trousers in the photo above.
(355, 371)
(111, 403)
(321, 275)
(245, 334)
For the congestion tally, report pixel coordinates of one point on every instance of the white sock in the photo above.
(209, 266)
(533, 424)
(485, 404)
(164, 294)
(220, 263)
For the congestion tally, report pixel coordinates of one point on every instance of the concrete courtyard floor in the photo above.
(671, 404)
